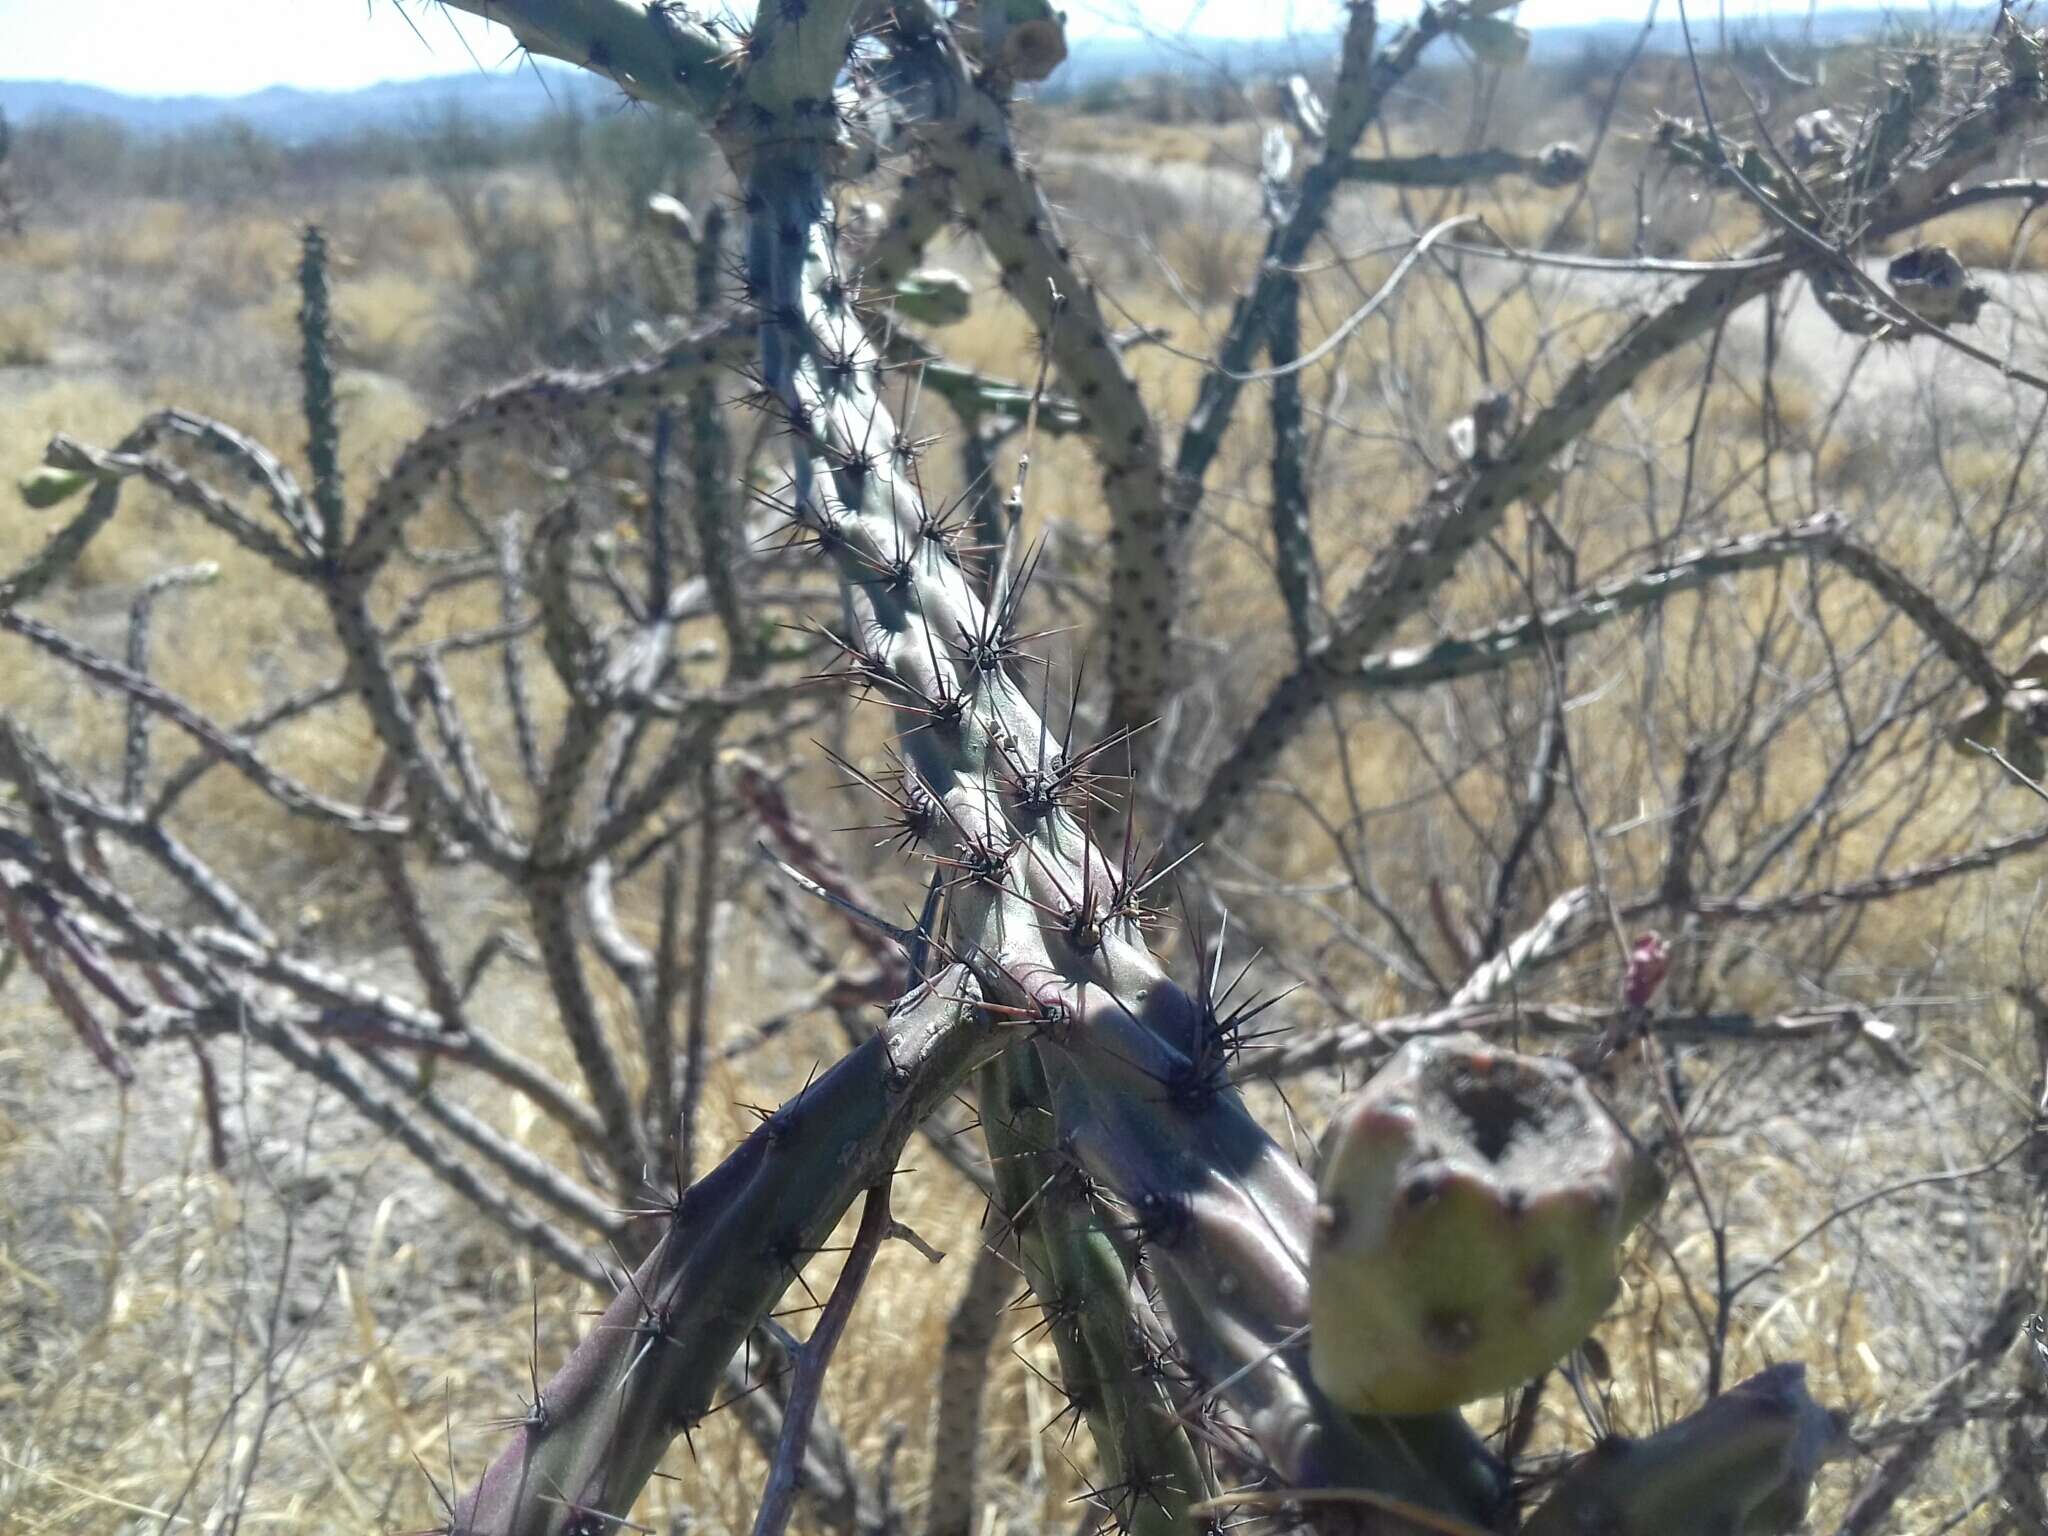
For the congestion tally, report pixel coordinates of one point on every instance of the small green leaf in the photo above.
(934, 296)
(48, 487)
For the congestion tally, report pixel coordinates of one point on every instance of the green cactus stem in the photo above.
(316, 370)
(1469, 1209)
(729, 1247)
(1743, 1465)
(655, 53)
(1108, 1368)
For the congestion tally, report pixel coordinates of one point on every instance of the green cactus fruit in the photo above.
(1468, 1212)
(1741, 1466)
(934, 296)
(48, 487)
(1493, 41)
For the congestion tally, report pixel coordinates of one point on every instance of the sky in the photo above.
(227, 47)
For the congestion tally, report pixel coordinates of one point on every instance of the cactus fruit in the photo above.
(1741, 1466)
(1468, 1212)
(1025, 40)
(1933, 283)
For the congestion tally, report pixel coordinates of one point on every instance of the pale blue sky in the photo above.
(175, 47)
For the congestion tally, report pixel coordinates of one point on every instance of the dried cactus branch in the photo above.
(1294, 554)
(716, 345)
(281, 787)
(1554, 167)
(952, 1496)
(778, 1500)
(67, 454)
(1369, 1043)
(135, 747)
(1364, 79)
(246, 457)
(61, 551)
(1466, 506)
(1821, 538)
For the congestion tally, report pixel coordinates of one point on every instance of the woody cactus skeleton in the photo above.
(1129, 1073)
(1230, 1329)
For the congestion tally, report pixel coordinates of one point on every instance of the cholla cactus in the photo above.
(1222, 1321)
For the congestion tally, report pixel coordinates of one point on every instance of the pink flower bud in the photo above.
(1648, 959)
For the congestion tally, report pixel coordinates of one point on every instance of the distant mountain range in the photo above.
(1097, 59)
(295, 117)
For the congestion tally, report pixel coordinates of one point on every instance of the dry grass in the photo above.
(26, 337)
(136, 1285)
(1989, 238)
